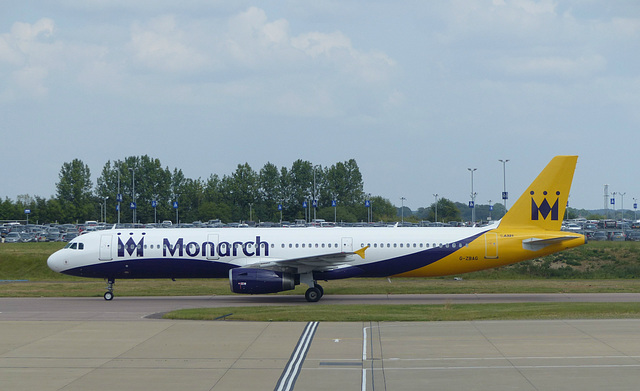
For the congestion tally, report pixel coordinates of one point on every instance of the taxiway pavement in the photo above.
(67, 344)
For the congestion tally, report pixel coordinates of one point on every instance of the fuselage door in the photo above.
(210, 248)
(105, 248)
(347, 245)
(491, 245)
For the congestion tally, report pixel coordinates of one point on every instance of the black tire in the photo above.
(313, 295)
(108, 296)
(321, 289)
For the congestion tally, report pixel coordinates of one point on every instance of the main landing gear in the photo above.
(109, 293)
(314, 293)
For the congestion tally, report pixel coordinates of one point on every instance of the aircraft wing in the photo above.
(535, 244)
(311, 263)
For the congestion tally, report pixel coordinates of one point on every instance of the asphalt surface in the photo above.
(132, 308)
(66, 344)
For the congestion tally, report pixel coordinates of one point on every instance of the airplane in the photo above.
(270, 260)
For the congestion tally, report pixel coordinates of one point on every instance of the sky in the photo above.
(417, 92)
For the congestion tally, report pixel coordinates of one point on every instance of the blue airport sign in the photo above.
(154, 204)
(304, 204)
(334, 203)
(613, 201)
(471, 204)
(314, 203)
(132, 205)
(279, 206)
(505, 195)
(175, 204)
(119, 197)
(27, 211)
(367, 203)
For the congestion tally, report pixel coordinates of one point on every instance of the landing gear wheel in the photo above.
(313, 295)
(109, 294)
(321, 289)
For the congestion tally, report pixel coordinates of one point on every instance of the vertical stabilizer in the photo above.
(543, 204)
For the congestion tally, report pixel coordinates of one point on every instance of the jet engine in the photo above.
(258, 281)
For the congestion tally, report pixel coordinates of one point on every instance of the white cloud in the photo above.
(27, 55)
(161, 45)
(555, 65)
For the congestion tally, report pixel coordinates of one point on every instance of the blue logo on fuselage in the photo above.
(256, 248)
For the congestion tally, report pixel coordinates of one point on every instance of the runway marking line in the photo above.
(292, 370)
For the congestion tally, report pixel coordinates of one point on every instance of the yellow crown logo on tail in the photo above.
(544, 209)
(544, 202)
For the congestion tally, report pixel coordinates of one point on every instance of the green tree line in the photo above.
(270, 194)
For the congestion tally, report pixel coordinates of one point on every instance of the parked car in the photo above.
(598, 236)
(633, 236)
(13, 237)
(53, 235)
(617, 236)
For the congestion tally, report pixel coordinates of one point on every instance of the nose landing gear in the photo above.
(109, 293)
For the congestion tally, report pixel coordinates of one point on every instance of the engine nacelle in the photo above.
(258, 281)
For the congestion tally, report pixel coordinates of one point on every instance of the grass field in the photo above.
(594, 268)
(414, 313)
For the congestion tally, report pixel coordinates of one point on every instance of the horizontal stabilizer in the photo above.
(535, 244)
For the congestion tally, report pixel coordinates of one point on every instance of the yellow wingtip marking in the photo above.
(361, 251)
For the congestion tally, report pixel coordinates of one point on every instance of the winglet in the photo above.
(361, 251)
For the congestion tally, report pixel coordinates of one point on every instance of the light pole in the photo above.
(105, 208)
(314, 201)
(154, 204)
(250, 211)
(175, 205)
(435, 219)
(119, 196)
(613, 202)
(133, 193)
(505, 195)
(473, 198)
(622, 204)
(402, 209)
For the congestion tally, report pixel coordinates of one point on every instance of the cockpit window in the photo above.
(75, 246)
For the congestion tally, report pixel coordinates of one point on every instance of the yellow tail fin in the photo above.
(543, 204)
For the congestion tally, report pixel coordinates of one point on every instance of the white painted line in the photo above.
(292, 370)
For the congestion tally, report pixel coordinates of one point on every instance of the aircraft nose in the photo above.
(56, 261)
